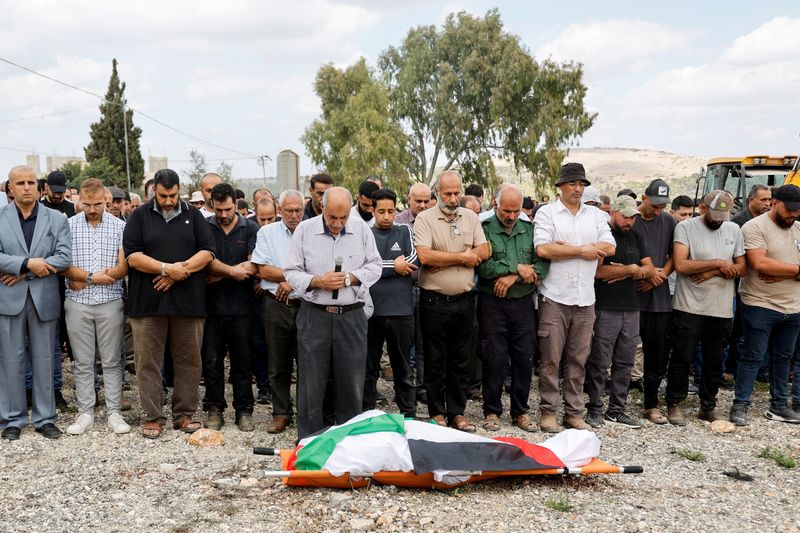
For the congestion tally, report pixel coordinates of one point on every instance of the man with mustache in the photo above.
(770, 304)
(708, 254)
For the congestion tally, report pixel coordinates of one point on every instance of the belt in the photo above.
(337, 309)
(291, 302)
(438, 296)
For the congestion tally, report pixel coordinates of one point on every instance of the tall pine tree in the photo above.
(108, 135)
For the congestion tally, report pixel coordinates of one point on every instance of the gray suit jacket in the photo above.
(52, 242)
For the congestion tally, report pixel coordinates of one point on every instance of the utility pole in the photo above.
(127, 161)
(262, 160)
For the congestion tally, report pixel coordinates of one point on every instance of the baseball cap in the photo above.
(57, 181)
(625, 206)
(658, 192)
(627, 192)
(719, 204)
(590, 194)
(789, 195)
(571, 172)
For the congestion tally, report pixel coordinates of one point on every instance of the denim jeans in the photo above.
(759, 324)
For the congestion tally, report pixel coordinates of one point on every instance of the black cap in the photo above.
(789, 195)
(572, 172)
(658, 192)
(57, 181)
(626, 192)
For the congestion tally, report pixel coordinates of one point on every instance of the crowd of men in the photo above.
(464, 302)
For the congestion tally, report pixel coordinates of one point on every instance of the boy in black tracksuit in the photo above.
(393, 318)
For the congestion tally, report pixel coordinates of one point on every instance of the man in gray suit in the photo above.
(34, 246)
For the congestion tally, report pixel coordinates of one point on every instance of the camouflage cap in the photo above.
(624, 205)
(719, 204)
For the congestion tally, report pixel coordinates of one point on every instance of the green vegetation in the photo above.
(781, 458)
(691, 455)
(562, 505)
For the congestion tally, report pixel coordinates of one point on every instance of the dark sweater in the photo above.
(392, 295)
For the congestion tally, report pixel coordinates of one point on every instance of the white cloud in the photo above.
(609, 46)
(774, 41)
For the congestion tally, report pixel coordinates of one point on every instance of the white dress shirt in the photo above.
(272, 248)
(570, 281)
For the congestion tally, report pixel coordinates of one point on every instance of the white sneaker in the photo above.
(81, 424)
(117, 424)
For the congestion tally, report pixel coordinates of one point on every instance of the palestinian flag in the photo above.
(375, 441)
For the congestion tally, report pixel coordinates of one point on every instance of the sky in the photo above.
(705, 78)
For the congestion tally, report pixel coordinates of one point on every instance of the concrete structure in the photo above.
(32, 160)
(54, 162)
(288, 171)
(155, 163)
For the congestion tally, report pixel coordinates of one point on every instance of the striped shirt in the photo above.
(272, 248)
(94, 249)
(314, 250)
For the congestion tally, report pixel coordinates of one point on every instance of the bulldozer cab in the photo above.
(737, 175)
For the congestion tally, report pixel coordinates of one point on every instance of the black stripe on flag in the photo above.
(428, 456)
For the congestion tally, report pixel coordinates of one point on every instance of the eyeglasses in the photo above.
(456, 229)
(292, 211)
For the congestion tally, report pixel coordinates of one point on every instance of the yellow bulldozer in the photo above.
(737, 175)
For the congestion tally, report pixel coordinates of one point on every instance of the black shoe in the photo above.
(422, 396)
(49, 431)
(61, 403)
(264, 397)
(636, 384)
(11, 433)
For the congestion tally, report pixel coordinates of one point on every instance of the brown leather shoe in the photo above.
(653, 415)
(215, 419)
(576, 422)
(278, 424)
(708, 415)
(524, 423)
(548, 424)
(186, 425)
(676, 416)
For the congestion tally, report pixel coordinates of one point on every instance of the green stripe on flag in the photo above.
(314, 455)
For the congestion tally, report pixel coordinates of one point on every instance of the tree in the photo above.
(356, 136)
(72, 170)
(108, 134)
(103, 170)
(197, 169)
(470, 93)
(225, 171)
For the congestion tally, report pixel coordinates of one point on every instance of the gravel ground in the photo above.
(100, 481)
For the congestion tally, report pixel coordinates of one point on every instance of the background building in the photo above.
(288, 172)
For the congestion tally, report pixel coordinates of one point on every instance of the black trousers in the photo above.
(227, 335)
(653, 329)
(280, 332)
(507, 331)
(329, 344)
(449, 349)
(398, 333)
(685, 330)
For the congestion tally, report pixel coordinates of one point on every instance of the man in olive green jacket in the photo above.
(507, 281)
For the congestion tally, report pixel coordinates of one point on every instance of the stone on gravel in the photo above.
(361, 524)
(226, 483)
(722, 426)
(248, 482)
(340, 497)
(167, 468)
(206, 438)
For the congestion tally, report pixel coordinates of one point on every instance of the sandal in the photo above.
(654, 415)
(186, 424)
(461, 423)
(439, 421)
(491, 423)
(524, 423)
(152, 429)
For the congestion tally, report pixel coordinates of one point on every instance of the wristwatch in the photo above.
(89, 278)
(347, 279)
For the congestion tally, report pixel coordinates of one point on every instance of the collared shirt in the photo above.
(308, 211)
(95, 248)
(741, 217)
(355, 212)
(206, 212)
(508, 250)
(64, 206)
(272, 248)
(314, 250)
(229, 297)
(171, 214)
(28, 224)
(486, 215)
(570, 281)
(433, 230)
(406, 217)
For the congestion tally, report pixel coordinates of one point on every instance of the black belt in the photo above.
(337, 309)
(291, 302)
(439, 297)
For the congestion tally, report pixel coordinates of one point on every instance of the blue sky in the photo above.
(696, 78)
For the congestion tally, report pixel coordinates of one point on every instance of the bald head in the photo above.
(418, 197)
(22, 185)
(207, 183)
(449, 192)
(18, 171)
(509, 205)
(511, 194)
(336, 205)
(449, 178)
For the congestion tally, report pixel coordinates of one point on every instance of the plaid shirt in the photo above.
(95, 249)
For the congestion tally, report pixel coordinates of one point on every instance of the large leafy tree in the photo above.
(103, 170)
(108, 134)
(197, 169)
(356, 136)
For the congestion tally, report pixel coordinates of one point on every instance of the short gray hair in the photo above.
(335, 190)
(509, 187)
(290, 193)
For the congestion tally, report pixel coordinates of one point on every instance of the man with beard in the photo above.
(770, 304)
(616, 326)
(759, 201)
(574, 237)
(363, 206)
(229, 299)
(450, 244)
(708, 254)
(168, 244)
(54, 189)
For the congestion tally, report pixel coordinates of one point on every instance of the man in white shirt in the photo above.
(574, 237)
